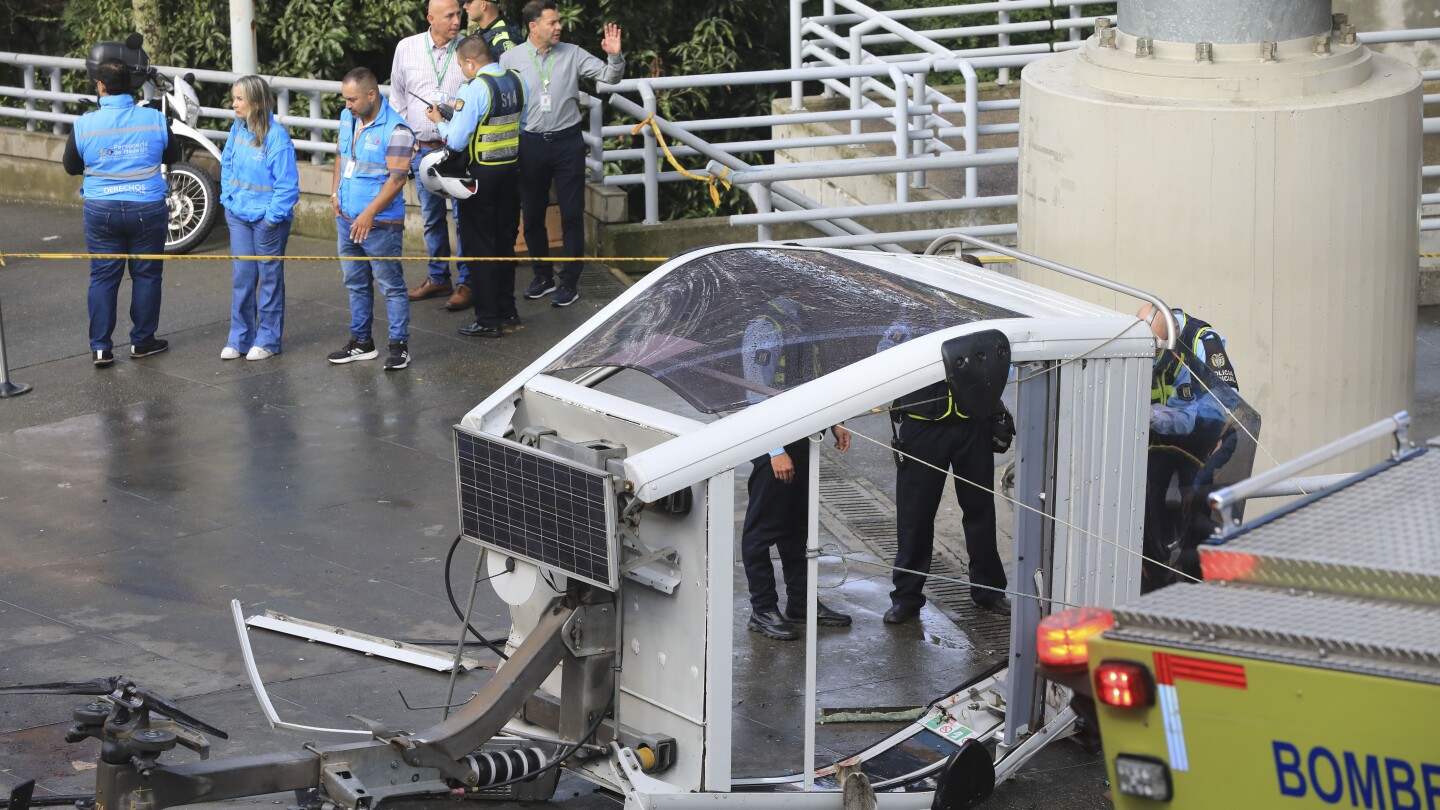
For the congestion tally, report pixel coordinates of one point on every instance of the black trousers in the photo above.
(963, 447)
(559, 159)
(776, 516)
(489, 221)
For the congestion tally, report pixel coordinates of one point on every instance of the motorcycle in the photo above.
(194, 194)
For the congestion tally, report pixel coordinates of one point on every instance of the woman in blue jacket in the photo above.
(259, 188)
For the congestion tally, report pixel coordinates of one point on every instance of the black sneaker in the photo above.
(539, 288)
(399, 355)
(102, 357)
(152, 346)
(564, 297)
(354, 350)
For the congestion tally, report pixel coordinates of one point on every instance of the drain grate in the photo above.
(856, 511)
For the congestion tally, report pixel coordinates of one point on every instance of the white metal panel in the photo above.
(1100, 480)
(719, 501)
(668, 644)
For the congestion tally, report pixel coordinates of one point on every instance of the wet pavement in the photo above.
(137, 501)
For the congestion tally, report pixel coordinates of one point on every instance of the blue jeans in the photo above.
(433, 209)
(257, 300)
(385, 273)
(116, 226)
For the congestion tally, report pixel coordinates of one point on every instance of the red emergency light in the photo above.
(1226, 566)
(1124, 685)
(1063, 638)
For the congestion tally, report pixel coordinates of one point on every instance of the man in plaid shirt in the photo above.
(426, 72)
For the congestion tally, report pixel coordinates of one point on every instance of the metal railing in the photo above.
(889, 100)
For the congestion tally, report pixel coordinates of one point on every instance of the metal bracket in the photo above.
(648, 568)
(590, 630)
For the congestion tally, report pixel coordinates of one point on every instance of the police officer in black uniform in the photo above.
(932, 431)
(486, 22)
(780, 353)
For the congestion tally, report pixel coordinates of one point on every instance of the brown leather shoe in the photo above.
(462, 298)
(428, 289)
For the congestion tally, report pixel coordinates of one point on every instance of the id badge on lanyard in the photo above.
(544, 102)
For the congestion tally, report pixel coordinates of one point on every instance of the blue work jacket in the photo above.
(369, 173)
(259, 181)
(121, 144)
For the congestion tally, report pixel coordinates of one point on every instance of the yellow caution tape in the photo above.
(452, 259)
(710, 180)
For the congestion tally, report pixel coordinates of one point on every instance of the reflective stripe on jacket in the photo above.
(930, 404)
(1165, 382)
(369, 173)
(496, 140)
(259, 182)
(122, 145)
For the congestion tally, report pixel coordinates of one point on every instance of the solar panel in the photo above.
(536, 506)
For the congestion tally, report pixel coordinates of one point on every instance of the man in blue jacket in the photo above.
(120, 148)
(371, 168)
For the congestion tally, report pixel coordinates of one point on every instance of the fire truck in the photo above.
(1304, 671)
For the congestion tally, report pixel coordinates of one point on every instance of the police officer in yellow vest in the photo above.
(931, 431)
(120, 148)
(486, 22)
(489, 111)
(778, 352)
(1190, 437)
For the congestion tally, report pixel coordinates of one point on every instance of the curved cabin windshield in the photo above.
(732, 328)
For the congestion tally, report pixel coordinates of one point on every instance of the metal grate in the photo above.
(1378, 537)
(529, 504)
(869, 517)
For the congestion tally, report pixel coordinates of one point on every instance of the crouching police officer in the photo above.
(120, 148)
(1191, 436)
(489, 111)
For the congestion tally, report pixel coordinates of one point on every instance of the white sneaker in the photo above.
(228, 353)
(257, 353)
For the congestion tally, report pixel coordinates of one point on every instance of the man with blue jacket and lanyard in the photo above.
(1190, 437)
(371, 167)
(489, 111)
(120, 148)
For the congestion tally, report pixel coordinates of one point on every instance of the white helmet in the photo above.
(443, 172)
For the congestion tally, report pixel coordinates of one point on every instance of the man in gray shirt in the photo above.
(551, 149)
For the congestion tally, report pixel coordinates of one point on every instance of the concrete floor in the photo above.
(137, 501)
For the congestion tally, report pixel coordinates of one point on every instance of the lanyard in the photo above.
(544, 74)
(444, 67)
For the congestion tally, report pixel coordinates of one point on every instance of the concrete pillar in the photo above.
(1268, 187)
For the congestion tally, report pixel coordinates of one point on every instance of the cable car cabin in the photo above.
(606, 500)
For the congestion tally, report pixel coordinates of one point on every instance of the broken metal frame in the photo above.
(357, 775)
(360, 642)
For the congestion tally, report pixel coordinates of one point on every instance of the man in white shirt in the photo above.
(426, 72)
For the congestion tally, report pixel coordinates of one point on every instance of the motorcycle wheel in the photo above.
(194, 200)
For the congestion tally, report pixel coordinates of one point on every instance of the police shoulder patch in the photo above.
(459, 104)
(762, 357)
(1185, 392)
